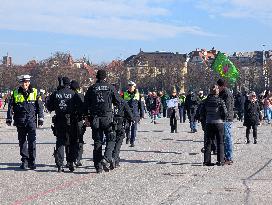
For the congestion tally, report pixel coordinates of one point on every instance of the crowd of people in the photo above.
(114, 116)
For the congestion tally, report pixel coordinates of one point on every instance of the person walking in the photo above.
(155, 108)
(122, 117)
(132, 97)
(173, 111)
(23, 108)
(80, 127)
(214, 111)
(182, 110)
(98, 102)
(191, 103)
(227, 97)
(252, 116)
(268, 107)
(66, 105)
(239, 105)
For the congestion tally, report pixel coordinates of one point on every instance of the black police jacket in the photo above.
(24, 112)
(123, 111)
(64, 101)
(99, 98)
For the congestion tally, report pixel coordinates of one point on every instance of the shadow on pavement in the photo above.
(148, 151)
(135, 161)
(16, 166)
(10, 143)
(192, 164)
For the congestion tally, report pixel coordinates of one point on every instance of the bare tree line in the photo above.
(163, 74)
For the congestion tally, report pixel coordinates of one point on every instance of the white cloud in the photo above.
(260, 10)
(126, 19)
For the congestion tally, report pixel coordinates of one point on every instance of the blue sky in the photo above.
(108, 29)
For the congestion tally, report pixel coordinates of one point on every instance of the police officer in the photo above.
(80, 126)
(66, 104)
(98, 106)
(132, 97)
(122, 117)
(24, 106)
(182, 110)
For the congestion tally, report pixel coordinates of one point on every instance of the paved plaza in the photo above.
(162, 168)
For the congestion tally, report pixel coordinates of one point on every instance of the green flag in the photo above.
(225, 68)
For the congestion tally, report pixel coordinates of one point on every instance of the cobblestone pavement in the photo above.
(162, 168)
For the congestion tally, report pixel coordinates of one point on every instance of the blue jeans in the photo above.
(228, 140)
(268, 113)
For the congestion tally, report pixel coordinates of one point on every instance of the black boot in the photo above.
(32, 166)
(60, 169)
(23, 165)
(248, 141)
(106, 165)
(112, 165)
(71, 166)
(255, 141)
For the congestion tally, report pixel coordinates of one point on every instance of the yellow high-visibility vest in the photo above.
(19, 98)
(128, 96)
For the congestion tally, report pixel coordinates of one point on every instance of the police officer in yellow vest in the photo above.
(182, 110)
(132, 97)
(24, 106)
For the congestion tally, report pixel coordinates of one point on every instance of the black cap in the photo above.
(101, 74)
(66, 81)
(221, 82)
(74, 85)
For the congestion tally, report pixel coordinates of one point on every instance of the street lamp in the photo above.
(266, 81)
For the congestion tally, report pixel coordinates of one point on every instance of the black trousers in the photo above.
(213, 146)
(164, 112)
(214, 131)
(103, 125)
(27, 142)
(173, 122)
(68, 142)
(120, 135)
(254, 127)
(80, 133)
(131, 132)
(240, 115)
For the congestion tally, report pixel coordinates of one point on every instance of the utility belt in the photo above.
(102, 122)
(64, 119)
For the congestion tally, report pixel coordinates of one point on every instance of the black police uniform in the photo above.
(80, 126)
(98, 106)
(25, 105)
(122, 118)
(66, 104)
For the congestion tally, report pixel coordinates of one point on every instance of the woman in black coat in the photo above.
(252, 116)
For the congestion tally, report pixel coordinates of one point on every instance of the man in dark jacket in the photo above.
(122, 117)
(214, 111)
(23, 106)
(98, 106)
(79, 125)
(66, 105)
(191, 103)
(227, 97)
(239, 105)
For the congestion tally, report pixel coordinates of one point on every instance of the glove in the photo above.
(8, 122)
(40, 122)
